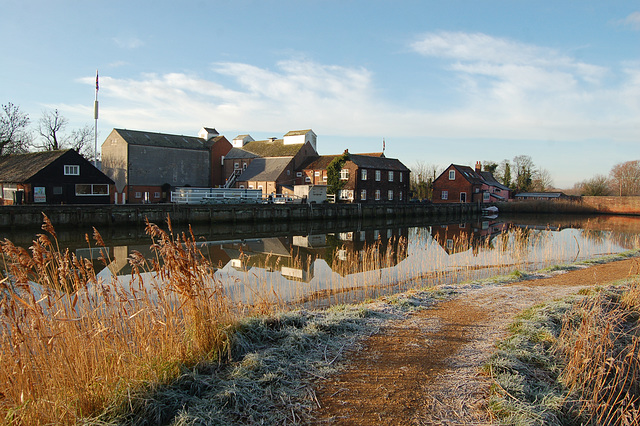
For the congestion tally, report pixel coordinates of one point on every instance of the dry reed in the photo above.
(72, 344)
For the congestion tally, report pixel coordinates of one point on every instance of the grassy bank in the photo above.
(547, 207)
(572, 362)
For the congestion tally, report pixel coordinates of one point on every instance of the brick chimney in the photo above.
(478, 167)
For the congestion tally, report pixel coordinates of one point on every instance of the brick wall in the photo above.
(614, 205)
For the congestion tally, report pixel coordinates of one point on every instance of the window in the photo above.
(452, 175)
(57, 190)
(400, 173)
(485, 196)
(156, 195)
(378, 175)
(288, 172)
(89, 189)
(244, 166)
(363, 195)
(390, 195)
(138, 195)
(298, 174)
(390, 175)
(316, 174)
(344, 174)
(71, 170)
(250, 186)
(236, 166)
(363, 174)
(477, 190)
(222, 160)
(307, 179)
(400, 196)
(463, 197)
(324, 178)
(445, 195)
(377, 194)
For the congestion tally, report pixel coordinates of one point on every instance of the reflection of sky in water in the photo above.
(426, 256)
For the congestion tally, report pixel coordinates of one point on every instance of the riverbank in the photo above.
(136, 214)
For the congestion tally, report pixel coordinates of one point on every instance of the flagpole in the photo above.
(95, 127)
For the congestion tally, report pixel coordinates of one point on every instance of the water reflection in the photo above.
(370, 260)
(354, 261)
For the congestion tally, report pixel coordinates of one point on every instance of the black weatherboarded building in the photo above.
(52, 177)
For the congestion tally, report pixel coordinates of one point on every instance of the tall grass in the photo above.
(73, 344)
(600, 343)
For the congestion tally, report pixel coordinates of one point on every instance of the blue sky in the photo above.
(441, 82)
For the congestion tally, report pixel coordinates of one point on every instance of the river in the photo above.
(321, 264)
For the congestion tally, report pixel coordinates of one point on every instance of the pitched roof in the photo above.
(238, 153)
(469, 174)
(272, 148)
(298, 132)
(20, 167)
(318, 163)
(265, 169)
(370, 162)
(165, 140)
(491, 180)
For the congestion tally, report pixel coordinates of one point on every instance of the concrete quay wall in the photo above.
(136, 214)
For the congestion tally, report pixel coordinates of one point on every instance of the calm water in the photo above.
(343, 262)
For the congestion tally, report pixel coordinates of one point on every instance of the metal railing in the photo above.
(189, 195)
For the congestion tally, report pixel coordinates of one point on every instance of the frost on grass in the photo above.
(275, 360)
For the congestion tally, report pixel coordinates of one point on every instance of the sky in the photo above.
(440, 82)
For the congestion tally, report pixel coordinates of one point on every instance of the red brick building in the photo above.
(462, 184)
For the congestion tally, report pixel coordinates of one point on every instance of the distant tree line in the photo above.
(50, 134)
(623, 180)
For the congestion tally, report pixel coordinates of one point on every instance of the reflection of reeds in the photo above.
(71, 345)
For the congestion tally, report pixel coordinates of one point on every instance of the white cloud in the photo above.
(632, 21)
(128, 42)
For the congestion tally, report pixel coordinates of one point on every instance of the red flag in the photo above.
(96, 80)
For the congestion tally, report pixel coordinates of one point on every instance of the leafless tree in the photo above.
(598, 185)
(14, 136)
(625, 178)
(51, 128)
(541, 180)
(422, 177)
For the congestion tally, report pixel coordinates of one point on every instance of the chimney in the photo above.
(478, 167)
(272, 139)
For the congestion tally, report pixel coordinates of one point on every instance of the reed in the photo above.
(73, 344)
(600, 343)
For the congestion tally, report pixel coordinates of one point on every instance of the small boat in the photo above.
(490, 212)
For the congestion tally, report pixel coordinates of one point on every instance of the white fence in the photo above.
(189, 195)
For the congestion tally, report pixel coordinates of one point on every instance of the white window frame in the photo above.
(486, 196)
(400, 173)
(298, 174)
(363, 195)
(307, 179)
(378, 175)
(363, 174)
(236, 166)
(445, 195)
(390, 194)
(71, 170)
(93, 192)
(377, 194)
(452, 175)
(316, 174)
(344, 174)
(390, 175)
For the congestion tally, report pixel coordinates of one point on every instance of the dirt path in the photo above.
(423, 370)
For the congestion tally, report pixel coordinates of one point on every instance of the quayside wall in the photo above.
(137, 214)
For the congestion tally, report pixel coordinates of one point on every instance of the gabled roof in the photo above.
(165, 140)
(239, 153)
(19, 168)
(265, 169)
(318, 163)
(468, 173)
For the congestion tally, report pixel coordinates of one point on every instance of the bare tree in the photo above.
(14, 136)
(524, 169)
(422, 177)
(541, 180)
(598, 185)
(625, 178)
(51, 127)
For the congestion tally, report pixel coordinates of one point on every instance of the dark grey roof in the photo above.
(491, 180)
(166, 140)
(382, 163)
(239, 153)
(265, 169)
(19, 168)
(541, 194)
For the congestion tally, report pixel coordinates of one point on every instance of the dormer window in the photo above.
(71, 170)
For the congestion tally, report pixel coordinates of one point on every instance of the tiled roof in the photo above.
(491, 180)
(165, 140)
(298, 132)
(319, 163)
(20, 167)
(381, 163)
(265, 169)
(238, 153)
(276, 148)
(469, 174)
